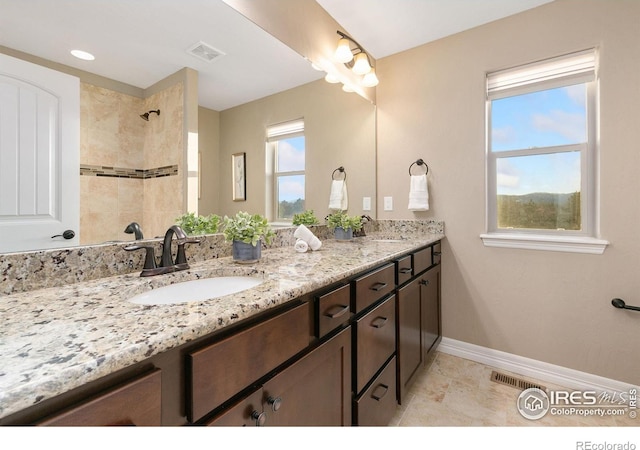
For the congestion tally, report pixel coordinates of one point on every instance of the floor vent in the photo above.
(517, 383)
(204, 51)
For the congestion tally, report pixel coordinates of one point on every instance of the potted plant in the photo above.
(246, 232)
(343, 225)
(305, 218)
(195, 225)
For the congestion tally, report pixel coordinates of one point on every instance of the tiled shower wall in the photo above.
(130, 168)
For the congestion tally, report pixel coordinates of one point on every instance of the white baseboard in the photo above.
(541, 371)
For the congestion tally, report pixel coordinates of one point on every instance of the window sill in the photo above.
(568, 244)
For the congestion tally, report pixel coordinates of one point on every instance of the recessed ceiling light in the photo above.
(80, 54)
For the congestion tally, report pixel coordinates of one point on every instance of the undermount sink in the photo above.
(196, 290)
(387, 240)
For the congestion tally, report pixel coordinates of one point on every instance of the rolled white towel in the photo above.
(301, 246)
(307, 235)
(338, 198)
(418, 193)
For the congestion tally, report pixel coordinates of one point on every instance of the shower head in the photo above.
(145, 116)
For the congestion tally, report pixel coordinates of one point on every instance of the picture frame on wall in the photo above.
(239, 179)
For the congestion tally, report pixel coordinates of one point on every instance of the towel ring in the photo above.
(339, 169)
(419, 162)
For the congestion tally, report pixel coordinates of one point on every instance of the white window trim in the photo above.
(577, 68)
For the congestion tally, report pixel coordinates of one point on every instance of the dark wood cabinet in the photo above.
(419, 317)
(313, 391)
(219, 371)
(377, 404)
(136, 402)
(431, 311)
(410, 354)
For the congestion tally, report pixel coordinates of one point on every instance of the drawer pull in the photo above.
(405, 270)
(437, 253)
(381, 387)
(378, 286)
(336, 311)
(379, 322)
(259, 417)
(274, 402)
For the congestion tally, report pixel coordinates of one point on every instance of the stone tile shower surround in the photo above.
(23, 272)
(115, 140)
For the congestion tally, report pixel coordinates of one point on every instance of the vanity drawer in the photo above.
(333, 309)
(218, 371)
(404, 270)
(373, 286)
(377, 405)
(375, 341)
(421, 260)
(136, 402)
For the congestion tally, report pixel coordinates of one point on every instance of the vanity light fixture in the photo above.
(81, 54)
(352, 55)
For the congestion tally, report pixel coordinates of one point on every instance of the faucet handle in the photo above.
(150, 257)
(181, 256)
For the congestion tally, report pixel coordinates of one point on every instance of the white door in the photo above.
(39, 157)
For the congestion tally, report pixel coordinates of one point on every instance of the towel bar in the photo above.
(419, 162)
(339, 169)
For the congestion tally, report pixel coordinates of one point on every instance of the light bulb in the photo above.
(347, 88)
(370, 79)
(329, 78)
(343, 51)
(361, 64)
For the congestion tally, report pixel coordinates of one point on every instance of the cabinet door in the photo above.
(314, 391)
(247, 412)
(431, 321)
(136, 402)
(409, 335)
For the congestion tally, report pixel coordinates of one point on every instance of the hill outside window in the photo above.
(541, 156)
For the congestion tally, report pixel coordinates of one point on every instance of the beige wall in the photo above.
(339, 131)
(552, 307)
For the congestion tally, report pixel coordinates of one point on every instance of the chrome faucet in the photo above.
(167, 263)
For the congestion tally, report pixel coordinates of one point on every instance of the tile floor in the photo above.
(454, 391)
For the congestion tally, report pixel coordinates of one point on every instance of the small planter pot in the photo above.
(343, 235)
(246, 253)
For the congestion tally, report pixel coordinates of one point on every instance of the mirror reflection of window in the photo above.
(286, 156)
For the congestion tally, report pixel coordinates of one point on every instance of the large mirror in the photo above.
(339, 129)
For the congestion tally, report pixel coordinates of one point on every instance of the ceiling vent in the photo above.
(204, 51)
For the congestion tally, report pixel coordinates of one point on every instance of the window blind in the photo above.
(294, 127)
(564, 70)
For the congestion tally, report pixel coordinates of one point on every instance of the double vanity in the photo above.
(332, 337)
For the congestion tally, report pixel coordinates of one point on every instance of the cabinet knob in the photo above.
(274, 402)
(259, 417)
(424, 282)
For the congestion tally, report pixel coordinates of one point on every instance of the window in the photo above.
(285, 171)
(541, 156)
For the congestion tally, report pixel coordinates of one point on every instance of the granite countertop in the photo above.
(56, 339)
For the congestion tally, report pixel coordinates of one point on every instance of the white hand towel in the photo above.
(306, 235)
(301, 246)
(338, 198)
(418, 193)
